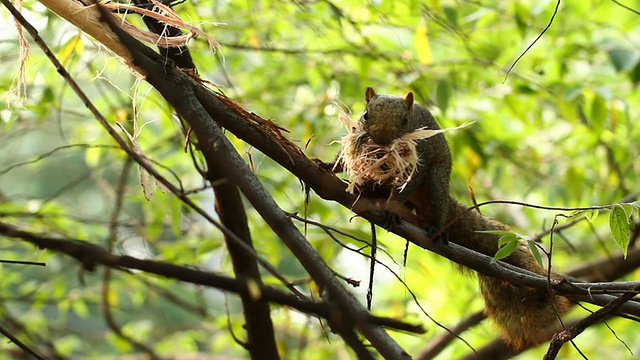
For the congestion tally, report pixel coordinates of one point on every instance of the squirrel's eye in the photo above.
(405, 120)
(365, 115)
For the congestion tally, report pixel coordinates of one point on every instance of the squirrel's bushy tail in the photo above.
(525, 316)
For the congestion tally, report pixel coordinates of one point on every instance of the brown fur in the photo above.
(524, 315)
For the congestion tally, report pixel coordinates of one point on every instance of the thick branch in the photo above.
(179, 54)
(261, 340)
(601, 314)
(90, 255)
(265, 136)
(177, 89)
(260, 134)
(605, 269)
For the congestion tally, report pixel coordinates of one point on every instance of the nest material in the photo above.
(393, 164)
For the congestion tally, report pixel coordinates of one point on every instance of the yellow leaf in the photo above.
(253, 40)
(121, 114)
(473, 161)
(92, 156)
(73, 45)
(421, 42)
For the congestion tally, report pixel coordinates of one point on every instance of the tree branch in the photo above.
(564, 336)
(20, 344)
(228, 203)
(178, 90)
(440, 342)
(266, 136)
(91, 255)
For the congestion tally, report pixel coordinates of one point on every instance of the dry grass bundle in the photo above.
(369, 163)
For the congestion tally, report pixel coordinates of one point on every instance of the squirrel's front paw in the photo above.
(390, 219)
(431, 231)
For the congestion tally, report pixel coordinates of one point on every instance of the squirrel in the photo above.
(387, 118)
(525, 316)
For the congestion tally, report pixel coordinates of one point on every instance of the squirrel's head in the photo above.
(387, 117)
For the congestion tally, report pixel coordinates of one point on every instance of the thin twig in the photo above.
(372, 265)
(553, 16)
(20, 344)
(21, 262)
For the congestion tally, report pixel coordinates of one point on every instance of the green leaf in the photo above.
(80, 308)
(634, 74)
(535, 251)
(507, 239)
(599, 111)
(507, 245)
(635, 205)
(628, 209)
(619, 225)
(572, 93)
(568, 110)
(591, 215)
(443, 94)
(622, 59)
(206, 246)
(574, 175)
(522, 15)
(525, 89)
(176, 217)
(523, 237)
(451, 14)
(574, 215)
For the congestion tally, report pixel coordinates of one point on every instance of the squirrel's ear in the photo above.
(409, 100)
(369, 93)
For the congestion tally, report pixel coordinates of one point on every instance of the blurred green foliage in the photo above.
(557, 130)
